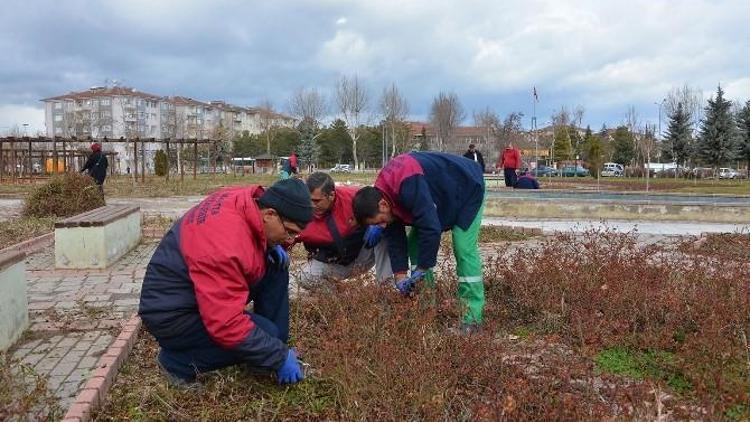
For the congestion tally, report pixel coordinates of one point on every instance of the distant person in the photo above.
(289, 167)
(510, 161)
(96, 166)
(474, 155)
(526, 181)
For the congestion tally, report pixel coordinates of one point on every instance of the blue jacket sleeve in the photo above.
(398, 251)
(414, 196)
(260, 349)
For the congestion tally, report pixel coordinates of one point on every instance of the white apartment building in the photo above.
(115, 112)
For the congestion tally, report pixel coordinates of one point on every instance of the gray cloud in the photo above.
(604, 55)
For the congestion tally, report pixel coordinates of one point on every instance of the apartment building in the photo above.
(115, 112)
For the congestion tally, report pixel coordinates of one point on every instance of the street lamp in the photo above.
(659, 104)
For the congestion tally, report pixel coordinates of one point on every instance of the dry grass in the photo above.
(578, 328)
(24, 228)
(24, 394)
(126, 186)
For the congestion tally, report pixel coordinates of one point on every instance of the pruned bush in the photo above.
(606, 291)
(62, 196)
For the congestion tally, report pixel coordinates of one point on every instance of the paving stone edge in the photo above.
(32, 245)
(103, 376)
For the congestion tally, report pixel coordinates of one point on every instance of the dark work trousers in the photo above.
(187, 357)
(510, 177)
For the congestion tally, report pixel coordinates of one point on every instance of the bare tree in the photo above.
(267, 121)
(352, 100)
(445, 115)
(307, 104)
(394, 108)
(490, 123)
(691, 100)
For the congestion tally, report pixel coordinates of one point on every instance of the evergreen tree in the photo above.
(743, 123)
(717, 144)
(309, 150)
(593, 152)
(161, 165)
(335, 144)
(624, 151)
(562, 148)
(678, 143)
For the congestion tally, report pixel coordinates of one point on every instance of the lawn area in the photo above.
(24, 228)
(685, 186)
(588, 327)
(125, 186)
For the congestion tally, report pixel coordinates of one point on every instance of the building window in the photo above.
(58, 106)
(58, 117)
(105, 102)
(58, 131)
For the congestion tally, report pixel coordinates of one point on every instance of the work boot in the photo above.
(175, 380)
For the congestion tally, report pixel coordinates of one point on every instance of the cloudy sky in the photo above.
(605, 56)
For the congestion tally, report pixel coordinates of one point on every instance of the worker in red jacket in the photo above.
(339, 248)
(223, 253)
(510, 161)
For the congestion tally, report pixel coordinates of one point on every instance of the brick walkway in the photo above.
(76, 314)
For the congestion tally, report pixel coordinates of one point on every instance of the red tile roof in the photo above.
(104, 92)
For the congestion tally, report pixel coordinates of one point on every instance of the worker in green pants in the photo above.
(468, 267)
(431, 192)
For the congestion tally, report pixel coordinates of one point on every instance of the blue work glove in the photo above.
(406, 285)
(290, 372)
(278, 258)
(372, 235)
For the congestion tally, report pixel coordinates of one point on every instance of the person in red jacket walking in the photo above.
(510, 161)
(223, 253)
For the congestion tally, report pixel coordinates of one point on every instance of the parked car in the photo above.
(613, 170)
(703, 173)
(341, 168)
(728, 173)
(573, 171)
(543, 171)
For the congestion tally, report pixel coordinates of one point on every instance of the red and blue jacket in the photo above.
(526, 182)
(432, 192)
(202, 273)
(321, 242)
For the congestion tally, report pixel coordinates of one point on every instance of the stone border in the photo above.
(32, 245)
(101, 380)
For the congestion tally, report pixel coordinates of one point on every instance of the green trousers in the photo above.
(468, 267)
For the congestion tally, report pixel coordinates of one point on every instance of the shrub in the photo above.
(604, 291)
(161, 164)
(64, 195)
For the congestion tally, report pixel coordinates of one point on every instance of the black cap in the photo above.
(291, 199)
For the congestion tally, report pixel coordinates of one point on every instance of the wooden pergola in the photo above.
(20, 153)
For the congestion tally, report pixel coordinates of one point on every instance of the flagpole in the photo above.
(533, 129)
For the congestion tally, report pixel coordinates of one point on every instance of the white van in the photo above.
(612, 170)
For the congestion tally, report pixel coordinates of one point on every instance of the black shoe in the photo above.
(176, 381)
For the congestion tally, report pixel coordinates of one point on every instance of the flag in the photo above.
(536, 97)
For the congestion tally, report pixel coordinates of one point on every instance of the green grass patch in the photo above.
(738, 412)
(639, 365)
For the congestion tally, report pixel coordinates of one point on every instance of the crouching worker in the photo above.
(431, 192)
(223, 253)
(337, 246)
